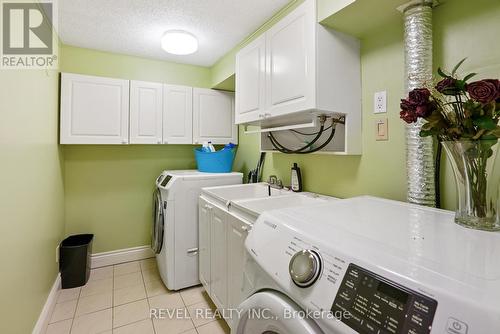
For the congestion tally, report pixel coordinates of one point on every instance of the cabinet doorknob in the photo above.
(124, 141)
(159, 141)
(244, 228)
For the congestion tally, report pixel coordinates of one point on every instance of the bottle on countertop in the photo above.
(211, 147)
(296, 179)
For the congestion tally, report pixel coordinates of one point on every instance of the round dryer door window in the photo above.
(271, 312)
(158, 215)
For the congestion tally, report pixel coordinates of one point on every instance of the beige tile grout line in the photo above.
(74, 314)
(147, 297)
(112, 303)
(186, 306)
(78, 302)
(76, 307)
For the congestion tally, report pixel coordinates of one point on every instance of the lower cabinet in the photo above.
(218, 258)
(204, 218)
(222, 249)
(236, 235)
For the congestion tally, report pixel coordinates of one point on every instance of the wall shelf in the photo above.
(361, 17)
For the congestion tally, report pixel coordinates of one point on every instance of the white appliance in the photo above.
(175, 227)
(379, 266)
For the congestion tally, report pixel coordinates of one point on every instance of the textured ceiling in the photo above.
(135, 27)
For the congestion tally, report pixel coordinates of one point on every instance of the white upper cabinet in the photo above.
(145, 112)
(251, 79)
(94, 110)
(177, 114)
(213, 117)
(309, 70)
(291, 63)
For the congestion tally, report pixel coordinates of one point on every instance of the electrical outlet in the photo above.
(380, 102)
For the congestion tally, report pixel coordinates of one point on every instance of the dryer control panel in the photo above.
(373, 304)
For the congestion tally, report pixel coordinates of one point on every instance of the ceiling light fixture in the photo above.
(179, 42)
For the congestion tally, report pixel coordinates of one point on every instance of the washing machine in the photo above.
(175, 223)
(368, 265)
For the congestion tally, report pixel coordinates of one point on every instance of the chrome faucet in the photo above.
(274, 182)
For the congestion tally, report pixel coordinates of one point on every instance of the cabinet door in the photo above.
(291, 72)
(177, 114)
(251, 81)
(213, 117)
(237, 233)
(218, 258)
(94, 110)
(145, 112)
(204, 232)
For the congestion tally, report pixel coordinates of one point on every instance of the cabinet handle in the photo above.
(192, 251)
(267, 115)
(244, 228)
(165, 142)
(124, 141)
(261, 115)
(159, 141)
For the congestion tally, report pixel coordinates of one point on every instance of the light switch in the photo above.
(381, 129)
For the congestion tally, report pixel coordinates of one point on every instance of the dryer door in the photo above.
(270, 312)
(158, 223)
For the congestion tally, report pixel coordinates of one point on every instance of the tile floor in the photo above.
(119, 299)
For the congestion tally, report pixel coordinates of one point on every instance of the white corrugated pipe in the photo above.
(418, 71)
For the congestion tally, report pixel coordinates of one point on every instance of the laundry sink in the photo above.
(240, 191)
(254, 207)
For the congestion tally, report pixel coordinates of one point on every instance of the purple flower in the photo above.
(484, 91)
(425, 110)
(408, 117)
(417, 105)
(447, 86)
(419, 96)
(408, 111)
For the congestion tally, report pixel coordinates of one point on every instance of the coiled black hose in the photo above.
(285, 150)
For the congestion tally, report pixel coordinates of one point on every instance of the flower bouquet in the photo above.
(464, 117)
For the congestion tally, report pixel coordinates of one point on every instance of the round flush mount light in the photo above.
(179, 42)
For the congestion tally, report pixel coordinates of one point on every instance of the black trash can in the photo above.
(74, 260)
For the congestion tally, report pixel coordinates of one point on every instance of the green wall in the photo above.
(31, 195)
(461, 29)
(108, 189)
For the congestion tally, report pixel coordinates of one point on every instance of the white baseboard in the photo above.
(121, 256)
(50, 303)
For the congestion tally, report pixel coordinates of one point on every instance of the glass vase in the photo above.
(477, 179)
